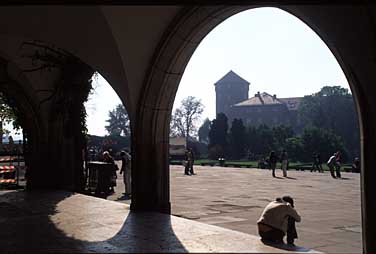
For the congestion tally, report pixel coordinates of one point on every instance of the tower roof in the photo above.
(231, 77)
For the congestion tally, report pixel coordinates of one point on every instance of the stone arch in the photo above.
(51, 109)
(176, 47)
(18, 89)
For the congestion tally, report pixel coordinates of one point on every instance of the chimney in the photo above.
(274, 97)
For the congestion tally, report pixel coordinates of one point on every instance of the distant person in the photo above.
(273, 162)
(355, 167)
(126, 171)
(331, 164)
(111, 175)
(186, 163)
(191, 160)
(277, 220)
(284, 162)
(338, 164)
(316, 165)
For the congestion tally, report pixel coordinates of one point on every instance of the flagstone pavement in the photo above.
(234, 198)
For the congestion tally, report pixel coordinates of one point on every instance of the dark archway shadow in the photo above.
(26, 226)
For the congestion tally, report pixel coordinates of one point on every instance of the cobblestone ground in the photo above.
(235, 197)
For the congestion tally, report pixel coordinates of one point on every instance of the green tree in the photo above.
(7, 115)
(260, 139)
(218, 133)
(237, 138)
(265, 139)
(323, 141)
(184, 119)
(280, 134)
(294, 147)
(118, 122)
(203, 131)
(333, 108)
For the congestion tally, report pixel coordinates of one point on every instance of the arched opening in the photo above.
(194, 38)
(108, 130)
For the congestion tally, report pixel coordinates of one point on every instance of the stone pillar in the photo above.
(150, 165)
(56, 157)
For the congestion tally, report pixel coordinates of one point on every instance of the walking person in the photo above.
(317, 163)
(186, 163)
(277, 220)
(284, 162)
(126, 171)
(331, 163)
(338, 165)
(273, 162)
(355, 167)
(191, 160)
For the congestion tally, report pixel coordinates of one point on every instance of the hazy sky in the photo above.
(271, 49)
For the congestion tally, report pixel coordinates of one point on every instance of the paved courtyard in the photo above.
(234, 198)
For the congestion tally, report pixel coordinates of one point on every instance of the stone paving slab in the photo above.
(63, 222)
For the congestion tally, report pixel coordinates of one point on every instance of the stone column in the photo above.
(150, 165)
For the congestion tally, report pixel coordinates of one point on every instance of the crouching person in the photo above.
(277, 220)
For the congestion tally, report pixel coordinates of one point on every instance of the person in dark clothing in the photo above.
(186, 163)
(356, 165)
(273, 162)
(292, 234)
(191, 160)
(338, 164)
(112, 174)
(317, 163)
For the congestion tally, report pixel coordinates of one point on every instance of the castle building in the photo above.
(232, 100)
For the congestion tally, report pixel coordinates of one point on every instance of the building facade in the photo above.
(232, 100)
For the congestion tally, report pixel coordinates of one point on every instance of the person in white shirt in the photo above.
(274, 224)
(331, 163)
(126, 171)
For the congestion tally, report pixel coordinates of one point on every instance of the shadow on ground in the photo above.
(27, 227)
(285, 246)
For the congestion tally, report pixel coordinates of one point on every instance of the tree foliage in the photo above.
(237, 140)
(118, 122)
(184, 119)
(7, 115)
(333, 108)
(323, 141)
(203, 131)
(218, 131)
